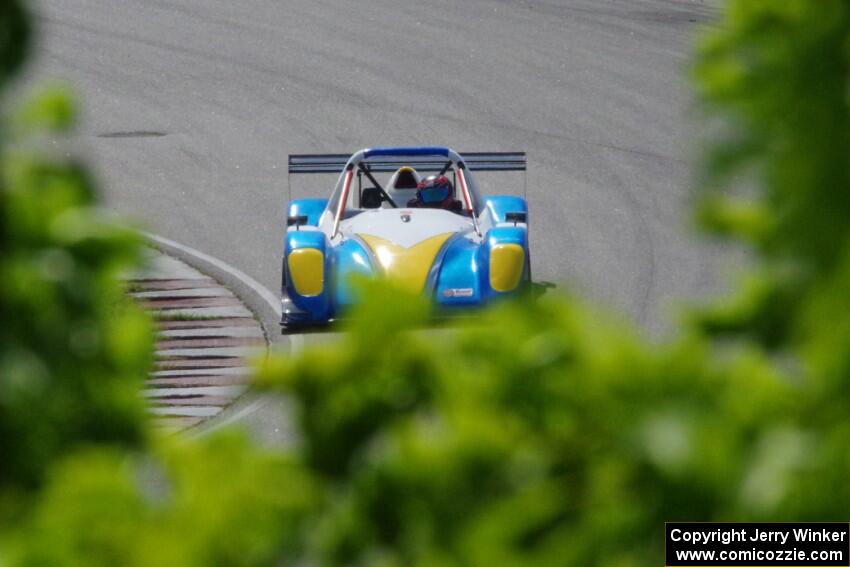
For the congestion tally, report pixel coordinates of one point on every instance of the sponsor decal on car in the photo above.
(458, 292)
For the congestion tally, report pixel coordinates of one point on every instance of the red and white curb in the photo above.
(205, 342)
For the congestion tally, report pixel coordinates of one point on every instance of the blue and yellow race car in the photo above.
(427, 228)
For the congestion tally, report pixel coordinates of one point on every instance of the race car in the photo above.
(427, 228)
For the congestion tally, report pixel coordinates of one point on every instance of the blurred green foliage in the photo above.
(220, 502)
(775, 74)
(14, 38)
(72, 351)
(544, 433)
(83, 481)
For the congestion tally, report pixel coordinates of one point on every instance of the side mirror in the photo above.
(297, 221)
(516, 217)
(371, 198)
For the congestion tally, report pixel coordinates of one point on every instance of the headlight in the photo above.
(307, 270)
(507, 262)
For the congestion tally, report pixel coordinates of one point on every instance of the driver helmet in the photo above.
(435, 191)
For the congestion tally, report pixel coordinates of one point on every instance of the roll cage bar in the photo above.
(422, 158)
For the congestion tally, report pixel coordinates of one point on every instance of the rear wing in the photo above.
(475, 161)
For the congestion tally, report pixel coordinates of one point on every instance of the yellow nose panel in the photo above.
(506, 264)
(408, 267)
(307, 269)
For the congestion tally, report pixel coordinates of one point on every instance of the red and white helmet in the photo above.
(435, 191)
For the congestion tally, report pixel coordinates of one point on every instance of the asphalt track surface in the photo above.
(191, 107)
